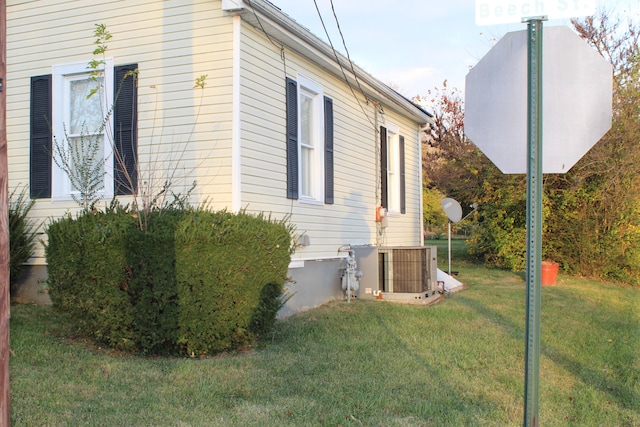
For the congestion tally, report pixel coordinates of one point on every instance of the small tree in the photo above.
(81, 158)
(22, 233)
(83, 163)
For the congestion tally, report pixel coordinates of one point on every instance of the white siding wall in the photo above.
(406, 229)
(186, 132)
(183, 132)
(351, 219)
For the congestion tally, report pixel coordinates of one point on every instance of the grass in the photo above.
(369, 363)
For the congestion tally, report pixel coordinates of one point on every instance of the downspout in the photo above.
(378, 111)
(236, 141)
(421, 204)
(376, 146)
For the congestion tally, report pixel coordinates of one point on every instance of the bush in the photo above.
(151, 259)
(193, 281)
(500, 238)
(224, 263)
(88, 275)
(22, 234)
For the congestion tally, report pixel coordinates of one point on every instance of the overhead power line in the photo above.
(335, 54)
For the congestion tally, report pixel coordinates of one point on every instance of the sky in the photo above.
(414, 45)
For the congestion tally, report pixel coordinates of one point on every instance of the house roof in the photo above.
(267, 17)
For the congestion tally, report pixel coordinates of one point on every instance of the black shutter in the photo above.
(384, 201)
(403, 193)
(125, 118)
(41, 143)
(328, 150)
(292, 138)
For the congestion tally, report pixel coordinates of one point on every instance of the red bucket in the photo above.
(549, 273)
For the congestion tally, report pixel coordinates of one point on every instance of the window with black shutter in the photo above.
(41, 140)
(392, 170)
(384, 200)
(328, 150)
(125, 118)
(42, 181)
(403, 192)
(292, 138)
(309, 142)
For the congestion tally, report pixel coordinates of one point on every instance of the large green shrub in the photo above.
(192, 281)
(151, 258)
(88, 274)
(224, 262)
(500, 237)
(22, 233)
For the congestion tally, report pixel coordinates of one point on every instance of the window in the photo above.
(77, 123)
(60, 108)
(392, 168)
(309, 142)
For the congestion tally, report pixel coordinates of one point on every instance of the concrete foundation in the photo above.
(31, 287)
(313, 283)
(318, 282)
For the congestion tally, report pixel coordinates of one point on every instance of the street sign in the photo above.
(577, 101)
(491, 12)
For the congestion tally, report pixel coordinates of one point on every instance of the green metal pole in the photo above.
(534, 220)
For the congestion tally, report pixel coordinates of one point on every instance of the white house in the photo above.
(283, 124)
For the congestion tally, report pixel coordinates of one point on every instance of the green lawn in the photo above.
(368, 363)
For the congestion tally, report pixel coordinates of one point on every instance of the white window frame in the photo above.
(393, 169)
(62, 75)
(311, 89)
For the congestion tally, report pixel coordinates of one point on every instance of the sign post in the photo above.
(578, 84)
(534, 220)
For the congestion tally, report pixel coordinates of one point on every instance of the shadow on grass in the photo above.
(452, 403)
(619, 392)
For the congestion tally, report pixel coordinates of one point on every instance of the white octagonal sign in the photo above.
(576, 101)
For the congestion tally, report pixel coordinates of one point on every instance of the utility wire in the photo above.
(282, 56)
(333, 9)
(279, 46)
(344, 74)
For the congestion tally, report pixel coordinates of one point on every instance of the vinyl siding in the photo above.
(406, 229)
(186, 132)
(351, 219)
(182, 131)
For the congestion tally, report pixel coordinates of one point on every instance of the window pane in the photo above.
(391, 147)
(306, 145)
(85, 114)
(85, 152)
(306, 172)
(393, 160)
(306, 120)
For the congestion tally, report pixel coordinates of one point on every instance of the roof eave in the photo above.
(264, 15)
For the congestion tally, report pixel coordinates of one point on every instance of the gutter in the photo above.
(262, 14)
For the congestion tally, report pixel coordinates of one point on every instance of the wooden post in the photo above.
(5, 419)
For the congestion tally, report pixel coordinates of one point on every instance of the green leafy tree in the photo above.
(595, 226)
(591, 214)
(434, 217)
(451, 163)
